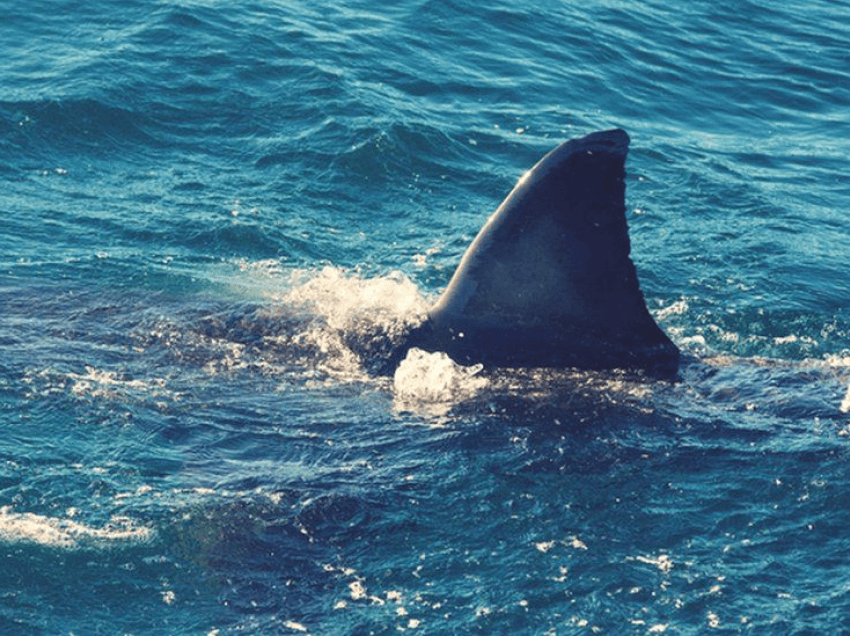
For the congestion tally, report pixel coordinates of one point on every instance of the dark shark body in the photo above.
(548, 281)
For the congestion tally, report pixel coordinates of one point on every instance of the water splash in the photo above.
(433, 379)
(342, 297)
(355, 322)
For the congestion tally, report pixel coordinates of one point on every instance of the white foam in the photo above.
(99, 384)
(662, 561)
(295, 626)
(838, 361)
(342, 297)
(839, 364)
(109, 384)
(340, 303)
(675, 309)
(421, 260)
(27, 527)
(427, 378)
(695, 340)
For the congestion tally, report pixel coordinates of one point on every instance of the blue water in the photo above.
(202, 199)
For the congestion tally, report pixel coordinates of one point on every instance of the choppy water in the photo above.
(201, 200)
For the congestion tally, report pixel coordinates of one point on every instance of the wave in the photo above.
(70, 127)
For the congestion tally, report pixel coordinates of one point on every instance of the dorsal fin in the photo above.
(548, 280)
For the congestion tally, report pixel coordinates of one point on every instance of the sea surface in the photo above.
(203, 201)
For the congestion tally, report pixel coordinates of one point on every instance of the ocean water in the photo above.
(203, 201)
